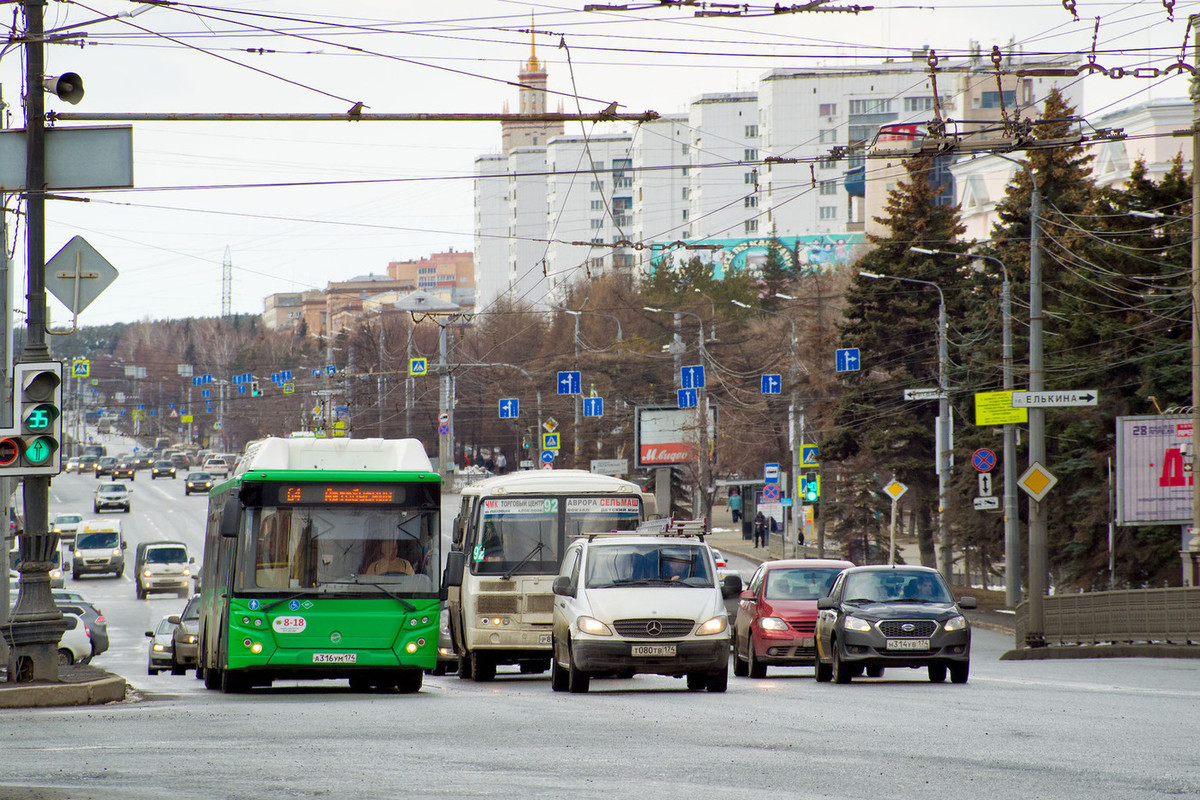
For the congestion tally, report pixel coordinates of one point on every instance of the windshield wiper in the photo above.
(858, 600)
(354, 581)
(537, 548)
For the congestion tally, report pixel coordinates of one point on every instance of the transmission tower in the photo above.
(227, 284)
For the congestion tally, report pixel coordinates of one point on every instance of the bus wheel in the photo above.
(409, 681)
(482, 668)
(212, 678)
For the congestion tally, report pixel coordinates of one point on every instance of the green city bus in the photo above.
(322, 559)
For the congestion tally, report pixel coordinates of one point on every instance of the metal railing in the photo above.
(1169, 616)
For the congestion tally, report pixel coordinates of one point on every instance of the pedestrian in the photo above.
(735, 505)
(760, 529)
(501, 463)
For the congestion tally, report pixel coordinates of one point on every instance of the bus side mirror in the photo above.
(229, 517)
(456, 562)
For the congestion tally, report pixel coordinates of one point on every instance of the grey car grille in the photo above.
(908, 628)
(654, 628)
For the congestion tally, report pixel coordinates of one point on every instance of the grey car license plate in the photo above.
(907, 644)
(653, 650)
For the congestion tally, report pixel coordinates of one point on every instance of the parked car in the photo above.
(217, 466)
(892, 616)
(645, 603)
(66, 526)
(75, 647)
(162, 469)
(162, 567)
(111, 495)
(777, 614)
(99, 547)
(161, 648)
(185, 647)
(197, 482)
(104, 466)
(124, 469)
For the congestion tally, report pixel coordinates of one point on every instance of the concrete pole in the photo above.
(1038, 558)
(1012, 536)
(446, 442)
(943, 460)
(1191, 556)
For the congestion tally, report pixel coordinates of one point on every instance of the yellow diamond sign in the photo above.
(895, 489)
(1037, 481)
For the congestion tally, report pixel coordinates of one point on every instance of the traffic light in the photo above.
(33, 445)
(254, 390)
(811, 487)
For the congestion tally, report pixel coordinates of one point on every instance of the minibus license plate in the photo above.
(545, 638)
(907, 644)
(654, 650)
(335, 658)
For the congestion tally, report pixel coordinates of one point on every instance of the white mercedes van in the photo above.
(647, 602)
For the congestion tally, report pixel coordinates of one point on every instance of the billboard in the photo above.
(667, 435)
(1154, 470)
(738, 255)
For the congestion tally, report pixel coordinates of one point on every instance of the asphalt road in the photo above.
(1122, 728)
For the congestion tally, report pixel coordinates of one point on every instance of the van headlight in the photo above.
(713, 626)
(147, 573)
(592, 626)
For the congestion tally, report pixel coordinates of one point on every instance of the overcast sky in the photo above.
(406, 187)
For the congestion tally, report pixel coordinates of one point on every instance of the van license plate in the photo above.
(335, 658)
(654, 650)
(907, 644)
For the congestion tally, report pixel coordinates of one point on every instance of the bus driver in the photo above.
(388, 562)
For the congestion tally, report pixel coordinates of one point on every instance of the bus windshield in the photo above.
(521, 535)
(341, 549)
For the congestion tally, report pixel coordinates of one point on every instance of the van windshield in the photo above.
(648, 565)
(98, 541)
(166, 555)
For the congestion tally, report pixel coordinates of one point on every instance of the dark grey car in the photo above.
(892, 616)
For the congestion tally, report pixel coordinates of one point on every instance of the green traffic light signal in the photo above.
(33, 445)
(812, 487)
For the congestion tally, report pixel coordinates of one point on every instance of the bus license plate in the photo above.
(907, 644)
(335, 658)
(654, 650)
(545, 638)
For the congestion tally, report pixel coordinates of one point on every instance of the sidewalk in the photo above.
(78, 685)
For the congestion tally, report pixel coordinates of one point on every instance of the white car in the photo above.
(640, 603)
(66, 526)
(723, 568)
(111, 495)
(75, 647)
(217, 466)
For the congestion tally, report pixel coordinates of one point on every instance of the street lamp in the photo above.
(701, 402)
(797, 410)
(1012, 543)
(943, 425)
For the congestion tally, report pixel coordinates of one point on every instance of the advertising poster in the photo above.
(1154, 470)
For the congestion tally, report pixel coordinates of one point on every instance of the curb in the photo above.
(109, 689)
(1054, 652)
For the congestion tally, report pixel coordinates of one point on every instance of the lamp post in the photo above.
(701, 401)
(796, 423)
(1012, 542)
(943, 424)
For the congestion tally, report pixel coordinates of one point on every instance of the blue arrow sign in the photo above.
(569, 382)
(772, 384)
(206, 393)
(547, 456)
(196, 381)
(206, 378)
(687, 398)
(593, 406)
(510, 408)
(847, 359)
(330, 369)
(692, 377)
(241, 390)
(316, 372)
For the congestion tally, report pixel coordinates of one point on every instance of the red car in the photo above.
(777, 614)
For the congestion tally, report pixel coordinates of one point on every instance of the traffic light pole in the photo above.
(36, 625)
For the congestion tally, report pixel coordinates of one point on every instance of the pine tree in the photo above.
(894, 325)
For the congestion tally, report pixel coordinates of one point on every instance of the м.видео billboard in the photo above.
(667, 435)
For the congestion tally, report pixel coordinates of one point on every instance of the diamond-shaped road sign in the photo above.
(1037, 481)
(77, 274)
(895, 489)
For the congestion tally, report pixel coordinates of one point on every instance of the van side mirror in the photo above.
(731, 586)
(230, 517)
(456, 535)
(562, 586)
(456, 562)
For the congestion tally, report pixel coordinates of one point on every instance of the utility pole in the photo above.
(1038, 558)
(1191, 555)
(36, 625)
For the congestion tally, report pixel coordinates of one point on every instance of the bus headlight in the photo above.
(256, 648)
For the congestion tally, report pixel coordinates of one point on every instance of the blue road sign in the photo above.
(593, 406)
(510, 408)
(241, 390)
(692, 377)
(330, 369)
(237, 379)
(206, 393)
(772, 384)
(206, 378)
(808, 456)
(687, 398)
(551, 441)
(316, 372)
(196, 381)
(847, 360)
(287, 375)
(983, 459)
(569, 382)
(771, 472)
(547, 456)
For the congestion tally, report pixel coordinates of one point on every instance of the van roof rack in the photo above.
(661, 527)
